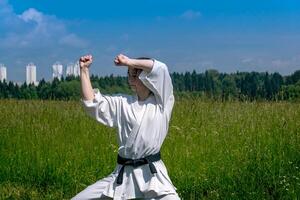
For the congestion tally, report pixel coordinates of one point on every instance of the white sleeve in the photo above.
(160, 83)
(103, 108)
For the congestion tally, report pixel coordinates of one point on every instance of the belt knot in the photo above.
(136, 163)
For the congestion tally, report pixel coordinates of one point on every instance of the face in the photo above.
(134, 82)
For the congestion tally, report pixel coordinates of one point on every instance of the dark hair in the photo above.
(143, 58)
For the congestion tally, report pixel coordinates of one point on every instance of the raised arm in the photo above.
(144, 64)
(103, 108)
(86, 86)
(155, 76)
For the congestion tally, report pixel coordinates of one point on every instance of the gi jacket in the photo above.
(142, 127)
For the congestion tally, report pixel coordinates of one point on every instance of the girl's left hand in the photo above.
(122, 60)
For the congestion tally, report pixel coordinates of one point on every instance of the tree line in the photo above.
(243, 86)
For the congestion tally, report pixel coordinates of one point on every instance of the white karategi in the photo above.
(142, 128)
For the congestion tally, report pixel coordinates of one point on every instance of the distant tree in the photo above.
(45, 91)
(194, 80)
(291, 92)
(267, 87)
(249, 86)
(70, 78)
(11, 90)
(54, 88)
(293, 78)
(24, 91)
(68, 90)
(5, 90)
(178, 81)
(211, 83)
(187, 81)
(229, 90)
(276, 82)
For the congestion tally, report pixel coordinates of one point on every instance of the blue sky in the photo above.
(227, 35)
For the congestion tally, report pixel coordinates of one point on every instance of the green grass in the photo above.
(214, 150)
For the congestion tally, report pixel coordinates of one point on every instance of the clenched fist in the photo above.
(85, 61)
(122, 60)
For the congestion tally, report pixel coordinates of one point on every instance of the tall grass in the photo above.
(231, 150)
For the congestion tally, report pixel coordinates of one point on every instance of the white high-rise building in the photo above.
(76, 69)
(2, 72)
(73, 69)
(31, 74)
(57, 70)
(70, 69)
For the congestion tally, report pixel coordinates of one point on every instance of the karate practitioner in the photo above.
(142, 121)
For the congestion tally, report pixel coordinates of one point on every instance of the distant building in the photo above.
(31, 74)
(57, 70)
(3, 74)
(70, 69)
(73, 69)
(76, 69)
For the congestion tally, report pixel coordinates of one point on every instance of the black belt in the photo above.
(136, 163)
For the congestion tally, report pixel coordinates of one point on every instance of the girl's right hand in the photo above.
(85, 61)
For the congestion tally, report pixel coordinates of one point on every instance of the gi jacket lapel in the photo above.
(129, 145)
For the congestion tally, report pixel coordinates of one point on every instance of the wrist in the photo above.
(130, 62)
(84, 69)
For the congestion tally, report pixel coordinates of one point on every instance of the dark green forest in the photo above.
(242, 86)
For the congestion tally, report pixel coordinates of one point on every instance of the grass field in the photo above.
(214, 150)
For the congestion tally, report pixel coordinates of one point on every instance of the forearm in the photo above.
(86, 86)
(144, 64)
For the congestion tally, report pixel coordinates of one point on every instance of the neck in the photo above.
(143, 95)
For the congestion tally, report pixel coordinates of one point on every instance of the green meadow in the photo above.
(214, 150)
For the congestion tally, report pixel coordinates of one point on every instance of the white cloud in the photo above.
(34, 29)
(271, 64)
(281, 63)
(187, 15)
(32, 15)
(247, 60)
(190, 15)
(253, 61)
